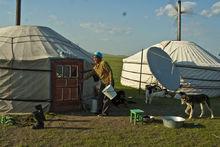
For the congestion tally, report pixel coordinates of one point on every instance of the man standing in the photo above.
(104, 72)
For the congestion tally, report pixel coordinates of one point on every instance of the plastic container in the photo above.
(109, 92)
(94, 106)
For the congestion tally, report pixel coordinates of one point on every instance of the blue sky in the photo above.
(121, 27)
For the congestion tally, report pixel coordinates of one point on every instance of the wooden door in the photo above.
(66, 85)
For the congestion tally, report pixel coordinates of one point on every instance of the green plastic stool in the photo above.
(136, 115)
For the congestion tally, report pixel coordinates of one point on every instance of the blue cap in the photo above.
(98, 54)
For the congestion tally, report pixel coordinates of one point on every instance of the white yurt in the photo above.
(199, 70)
(39, 66)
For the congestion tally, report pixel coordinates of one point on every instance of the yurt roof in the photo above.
(183, 52)
(37, 42)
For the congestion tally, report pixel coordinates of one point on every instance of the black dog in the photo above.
(191, 100)
(120, 99)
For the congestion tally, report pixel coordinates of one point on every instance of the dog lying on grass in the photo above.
(191, 100)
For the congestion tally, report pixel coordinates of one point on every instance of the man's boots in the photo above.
(40, 122)
(40, 109)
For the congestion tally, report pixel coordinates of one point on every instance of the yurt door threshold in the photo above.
(66, 86)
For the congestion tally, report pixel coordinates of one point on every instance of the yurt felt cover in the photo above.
(200, 70)
(25, 54)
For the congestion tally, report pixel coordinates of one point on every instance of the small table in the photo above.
(136, 115)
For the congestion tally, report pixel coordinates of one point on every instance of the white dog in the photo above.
(153, 91)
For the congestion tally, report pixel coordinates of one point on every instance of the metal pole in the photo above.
(18, 12)
(179, 21)
(141, 71)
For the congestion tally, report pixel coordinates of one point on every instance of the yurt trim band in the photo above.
(134, 80)
(137, 72)
(12, 68)
(27, 100)
(199, 67)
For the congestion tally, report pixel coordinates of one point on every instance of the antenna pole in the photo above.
(179, 21)
(18, 12)
(141, 71)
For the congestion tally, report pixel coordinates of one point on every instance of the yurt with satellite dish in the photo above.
(39, 66)
(199, 70)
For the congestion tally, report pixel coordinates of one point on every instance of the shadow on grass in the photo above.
(215, 118)
(158, 107)
(153, 121)
(67, 120)
(69, 128)
(193, 125)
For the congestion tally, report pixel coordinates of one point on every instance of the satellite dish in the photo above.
(163, 69)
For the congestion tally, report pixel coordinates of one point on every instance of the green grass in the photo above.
(116, 65)
(84, 129)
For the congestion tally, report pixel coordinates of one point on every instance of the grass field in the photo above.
(85, 129)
